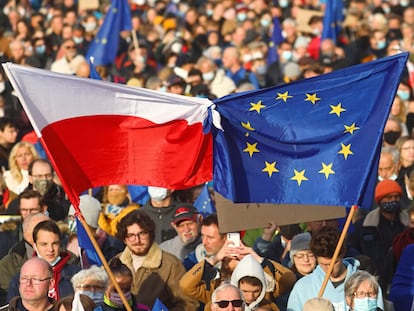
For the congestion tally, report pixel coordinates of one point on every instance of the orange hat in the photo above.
(386, 187)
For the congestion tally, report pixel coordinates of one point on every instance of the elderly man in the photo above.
(186, 222)
(156, 273)
(227, 297)
(373, 234)
(35, 282)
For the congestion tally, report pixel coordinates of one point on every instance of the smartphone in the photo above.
(235, 238)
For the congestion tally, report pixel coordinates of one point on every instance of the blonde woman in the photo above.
(17, 177)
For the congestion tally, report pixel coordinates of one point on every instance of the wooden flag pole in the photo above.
(338, 248)
(102, 257)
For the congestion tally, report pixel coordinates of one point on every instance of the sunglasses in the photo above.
(237, 303)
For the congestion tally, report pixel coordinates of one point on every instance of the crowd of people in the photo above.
(163, 250)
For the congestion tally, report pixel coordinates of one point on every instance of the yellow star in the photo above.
(299, 176)
(337, 109)
(345, 150)
(327, 170)
(283, 96)
(257, 106)
(251, 148)
(270, 168)
(312, 98)
(351, 128)
(247, 126)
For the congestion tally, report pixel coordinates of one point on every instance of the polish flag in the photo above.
(99, 133)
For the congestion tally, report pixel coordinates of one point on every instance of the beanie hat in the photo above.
(386, 187)
(90, 208)
(320, 304)
(298, 243)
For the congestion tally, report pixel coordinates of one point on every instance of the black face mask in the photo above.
(391, 207)
(391, 137)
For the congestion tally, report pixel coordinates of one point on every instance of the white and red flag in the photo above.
(98, 133)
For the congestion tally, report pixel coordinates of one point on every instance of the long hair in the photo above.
(14, 168)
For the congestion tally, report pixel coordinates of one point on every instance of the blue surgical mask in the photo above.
(404, 95)
(381, 45)
(283, 3)
(97, 297)
(365, 304)
(265, 23)
(287, 55)
(78, 40)
(261, 69)
(241, 17)
(40, 49)
(208, 76)
(157, 193)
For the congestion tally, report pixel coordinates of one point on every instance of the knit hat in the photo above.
(386, 187)
(320, 304)
(90, 208)
(299, 242)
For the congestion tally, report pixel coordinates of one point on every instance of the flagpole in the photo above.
(338, 249)
(79, 215)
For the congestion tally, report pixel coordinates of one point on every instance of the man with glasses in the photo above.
(29, 202)
(156, 273)
(70, 60)
(323, 245)
(35, 282)
(227, 297)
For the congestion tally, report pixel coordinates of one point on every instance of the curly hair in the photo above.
(323, 244)
(136, 217)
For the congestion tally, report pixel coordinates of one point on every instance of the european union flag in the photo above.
(86, 244)
(104, 47)
(315, 141)
(276, 39)
(159, 306)
(138, 194)
(332, 20)
(94, 74)
(204, 204)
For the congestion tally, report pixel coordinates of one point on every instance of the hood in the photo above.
(249, 266)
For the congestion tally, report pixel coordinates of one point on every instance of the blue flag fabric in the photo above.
(94, 74)
(204, 204)
(138, 194)
(276, 39)
(104, 47)
(332, 20)
(86, 244)
(159, 306)
(315, 141)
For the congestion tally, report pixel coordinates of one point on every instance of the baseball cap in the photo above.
(184, 212)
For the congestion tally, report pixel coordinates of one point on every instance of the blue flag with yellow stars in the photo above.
(315, 141)
(204, 204)
(332, 19)
(105, 45)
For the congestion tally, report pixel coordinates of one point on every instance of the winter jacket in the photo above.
(157, 278)
(17, 305)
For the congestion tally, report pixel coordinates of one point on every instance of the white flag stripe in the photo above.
(98, 98)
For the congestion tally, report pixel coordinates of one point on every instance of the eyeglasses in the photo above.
(237, 303)
(35, 281)
(43, 176)
(361, 295)
(141, 235)
(303, 255)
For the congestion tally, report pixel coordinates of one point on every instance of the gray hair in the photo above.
(393, 151)
(222, 287)
(355, 280)
(94, 272)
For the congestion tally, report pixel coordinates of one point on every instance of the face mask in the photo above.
(208, 76)
(261, 69)
(89, 26)
(391, 137)
(139, 2)
(391, 207)
(381, 45)
(97, 297)
(157, 193)
(316, 32)
(2, 86)
(78, 40)
(404, 3)
(404, 95)
(283, 3)
(265, 23)
(218, 62)
(116, 299)
(365, 304)
(42, 185)
(241, 17)
(287, 55)
(392, 177)
(40, 49)
(54, 262)
(209, 12)
(72, 225)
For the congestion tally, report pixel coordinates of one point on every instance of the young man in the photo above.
(150, 265)
(8, 136)
(47, 243)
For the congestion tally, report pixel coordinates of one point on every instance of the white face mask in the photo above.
(208, 76)
(2, 86)
(157, 193)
